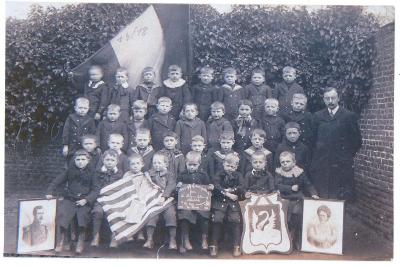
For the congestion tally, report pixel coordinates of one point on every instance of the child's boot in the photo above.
(96, 240)
(236, 251)
(172, 238)
(81, 242)
(185, 235)
(204, 241)
(149, 242)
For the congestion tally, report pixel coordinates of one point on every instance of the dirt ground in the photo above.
(360, 243)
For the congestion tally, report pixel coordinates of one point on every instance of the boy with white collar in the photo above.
(176, 89)
(94, 89)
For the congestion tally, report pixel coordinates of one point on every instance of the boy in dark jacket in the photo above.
(105, 175)
(167, 182)
(112, 125)
(272, 124)
(292, 144)
(143, 148)
(225, 203)
(138, 121)
(285, 90)
(188, 126)
(81, 191)
(89, 143)
(94, 89)
(244, 125)
(148, 90)
(198, 145)
(176, 160)
(77, 125)
(161, 122)
(258, 92)
(216, 124)
(292, 183)
(298, 114)
(204, 93)
(193, 175)
(176, 89)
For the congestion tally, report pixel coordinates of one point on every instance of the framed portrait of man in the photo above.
(323, 226)
(36, 225)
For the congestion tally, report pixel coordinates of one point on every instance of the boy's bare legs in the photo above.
(185, 241)
(172, 237)
(204, 233)
(149, 242)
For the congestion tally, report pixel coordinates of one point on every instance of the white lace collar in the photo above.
(295, 172)
(172, 84)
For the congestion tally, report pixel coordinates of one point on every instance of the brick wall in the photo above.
(374, 162)
(32, 166)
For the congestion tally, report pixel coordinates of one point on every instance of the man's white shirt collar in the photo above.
(333, 111)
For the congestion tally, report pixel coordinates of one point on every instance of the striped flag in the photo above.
(129, 203)
(158, 38)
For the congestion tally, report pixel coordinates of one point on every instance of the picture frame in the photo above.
(322, 229)
(36, 225)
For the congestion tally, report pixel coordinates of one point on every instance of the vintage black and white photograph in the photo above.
(36, 225)
(323, 226)
(199, 131)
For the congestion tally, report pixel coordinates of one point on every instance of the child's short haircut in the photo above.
(227, 135)
(123, 70)
(193, 156)
(81, 100)
(259, 132)
(171, 134)
(232, 158)
(258, 71)
(299, 96)
(164, 99)
(139, 104)
(328, 89)
(148, 69)
(114, 107)
(198, 138)
(110, 153)
(207, 70)
(89, 137)
(174, 68)
(246, 102)
(258, 154)
(142, 130)
(160, 154)
(115, 135)
(288, 69)
(291, 125)
(229, 70)
(190, 104)
(218, 105)
(96, 67)
(135, 156)
(288, 154)
(272, 101)
(82, 152)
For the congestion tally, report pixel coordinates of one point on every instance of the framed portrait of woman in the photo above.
(323, 226)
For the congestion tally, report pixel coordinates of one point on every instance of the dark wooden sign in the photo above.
(194, 197)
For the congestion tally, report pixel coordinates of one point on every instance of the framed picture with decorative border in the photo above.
(36, 225)
(323, 226)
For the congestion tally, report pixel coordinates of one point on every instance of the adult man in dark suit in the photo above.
(36, 233)
(337, 140)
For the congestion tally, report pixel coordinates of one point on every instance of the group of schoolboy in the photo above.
(237, 141)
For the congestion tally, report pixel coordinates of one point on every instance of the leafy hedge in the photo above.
(331, 45)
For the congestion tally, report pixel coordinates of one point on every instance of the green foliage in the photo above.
(41, 50)
(330, 47)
